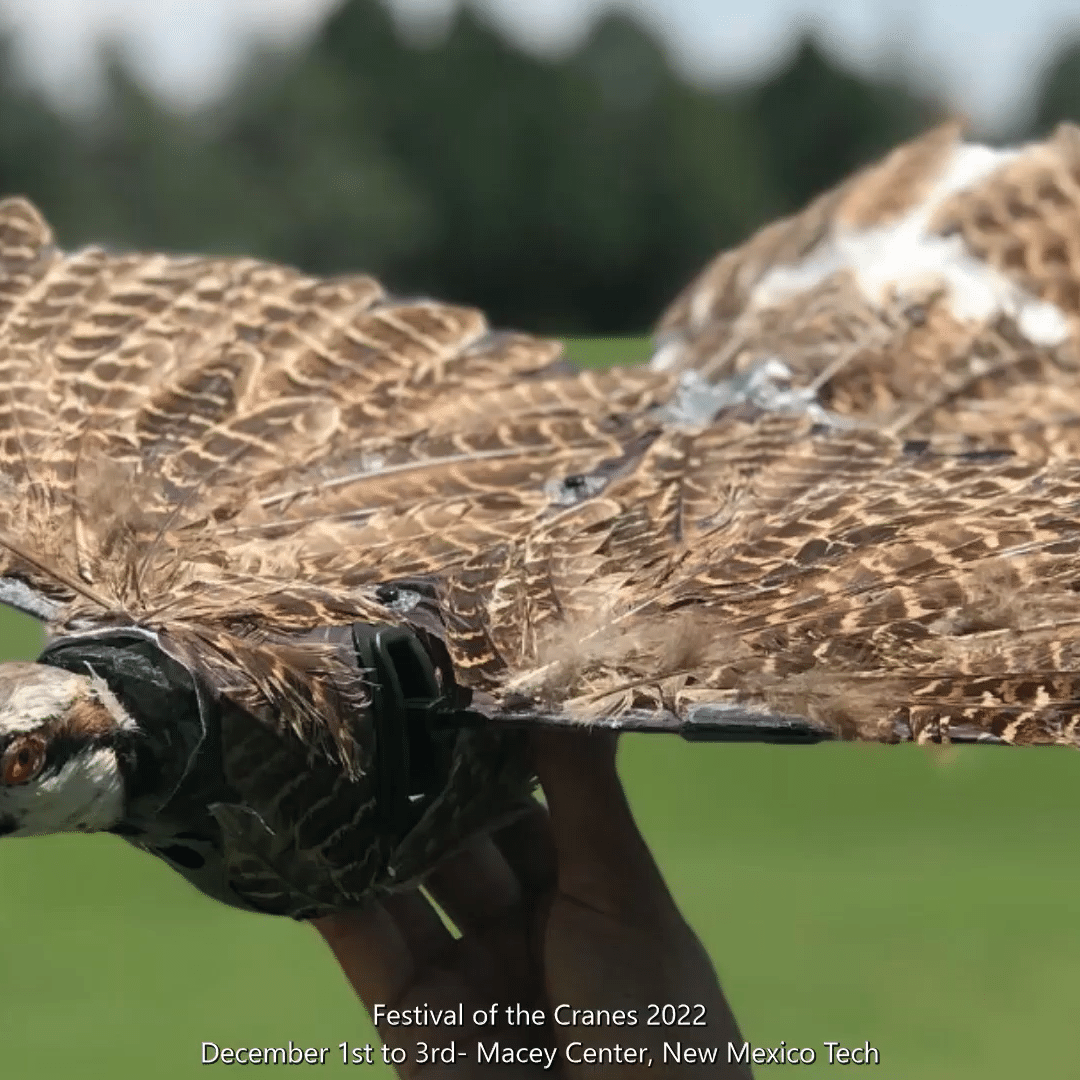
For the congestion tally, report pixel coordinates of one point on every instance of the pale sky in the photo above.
(983, 53)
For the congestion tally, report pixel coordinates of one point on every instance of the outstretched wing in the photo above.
(234, 454)
(173, 430)
(936, 291)
(237, 454)
(772, 580)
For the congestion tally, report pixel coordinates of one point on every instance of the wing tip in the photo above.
(25, 235)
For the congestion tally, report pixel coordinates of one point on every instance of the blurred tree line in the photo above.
(573, 195)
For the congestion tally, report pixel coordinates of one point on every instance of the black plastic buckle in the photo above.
(414, 721)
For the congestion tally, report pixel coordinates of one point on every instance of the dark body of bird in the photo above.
(312, 560)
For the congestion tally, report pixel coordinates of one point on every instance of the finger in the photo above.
(603, 860)
(375, 956)
(529, 850)
(577, 773)
(372, 952)
(425, 934)
(475, 886)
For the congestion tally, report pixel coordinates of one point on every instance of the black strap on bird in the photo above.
(414, 718)
(704, 723)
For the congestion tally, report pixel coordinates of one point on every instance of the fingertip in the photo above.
(370, 949)
(476, 885)
(339, 925)
(603, 860)
(527, 846)
(581, 784)
(567, 759)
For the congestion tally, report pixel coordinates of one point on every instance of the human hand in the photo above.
(564, 907)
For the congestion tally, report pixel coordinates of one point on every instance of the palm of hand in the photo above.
(562, 909)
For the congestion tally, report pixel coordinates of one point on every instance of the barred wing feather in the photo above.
(841, 501)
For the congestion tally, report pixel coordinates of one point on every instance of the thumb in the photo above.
(602, 858)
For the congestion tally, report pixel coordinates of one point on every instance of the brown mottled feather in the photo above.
(235, 455)
(900, 346)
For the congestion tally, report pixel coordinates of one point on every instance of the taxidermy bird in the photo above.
(312, 559)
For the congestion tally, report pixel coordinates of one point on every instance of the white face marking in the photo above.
(111, 702)
(87, 794)
(29, 704)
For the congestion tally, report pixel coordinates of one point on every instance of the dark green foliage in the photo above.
(41, 152)
(1059, 96)
(819, 122)
(570, 195)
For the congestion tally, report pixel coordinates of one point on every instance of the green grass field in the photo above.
(928, 902)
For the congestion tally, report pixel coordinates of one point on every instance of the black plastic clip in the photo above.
(414, 720)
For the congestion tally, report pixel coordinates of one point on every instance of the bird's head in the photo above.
(59, 769)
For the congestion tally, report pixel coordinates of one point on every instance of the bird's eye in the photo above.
(22, 760)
